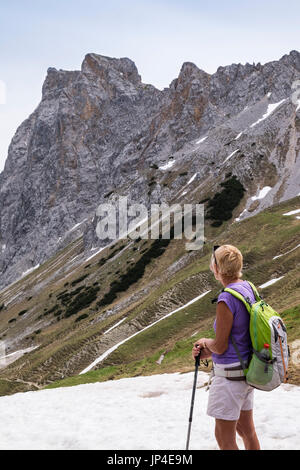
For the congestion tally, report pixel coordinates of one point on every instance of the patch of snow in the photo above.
(141, 413)
(201, 140)
(295, 248)
(113, 348)
(189, 182)
(9, 358)
(270, 110)
(269, 283)
(167, 165)
(29, 270)
(262, 193)
(114, 326)
(229, 156)
(75, 226)
(237, 219)
(71, 260)
(192, 179)
(292, 212)
(238, 136)
(92, 256)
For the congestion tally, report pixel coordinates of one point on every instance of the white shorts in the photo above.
(228, 397)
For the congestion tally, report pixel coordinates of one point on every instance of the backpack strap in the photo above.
(256, 294)
(243, 363)
(216, 298)
(246, 301)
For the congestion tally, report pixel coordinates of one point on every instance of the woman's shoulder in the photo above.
(244, 288)
(229, 300)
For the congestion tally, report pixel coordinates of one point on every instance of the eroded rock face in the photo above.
(101, 132)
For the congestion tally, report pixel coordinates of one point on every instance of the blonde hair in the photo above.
(229, 262)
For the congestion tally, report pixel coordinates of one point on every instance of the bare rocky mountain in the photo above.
(100, 132)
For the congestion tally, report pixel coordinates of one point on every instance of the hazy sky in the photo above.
(158, 35)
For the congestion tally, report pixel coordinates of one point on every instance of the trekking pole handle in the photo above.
(197, 358)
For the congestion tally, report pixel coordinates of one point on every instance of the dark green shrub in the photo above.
(79, 279)
(66, 297)
(111, 255)
(57, 313)
(81, 317)
(55, 307)
(102, 261)
(134, 273)
(82, 300)
(22, 312)
(61, 294)
(204, 200)
(220, 207)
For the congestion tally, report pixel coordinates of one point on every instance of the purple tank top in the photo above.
(240, 326)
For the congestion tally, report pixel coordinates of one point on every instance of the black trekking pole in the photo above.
(197, 362)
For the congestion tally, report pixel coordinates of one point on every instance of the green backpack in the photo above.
(266, 326)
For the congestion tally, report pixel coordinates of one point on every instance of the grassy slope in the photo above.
(260, 239)
(67, 346)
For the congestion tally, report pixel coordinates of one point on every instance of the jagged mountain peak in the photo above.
(99, 64)
(99, 132)
(292, 58)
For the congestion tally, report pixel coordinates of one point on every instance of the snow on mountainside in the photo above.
(100, 132)
(138, 413)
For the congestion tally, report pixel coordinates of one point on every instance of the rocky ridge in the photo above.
(100, 132)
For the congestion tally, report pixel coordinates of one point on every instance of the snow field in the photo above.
(138, 413)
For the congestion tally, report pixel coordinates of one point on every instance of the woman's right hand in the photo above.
(205, 352)
(196, 350)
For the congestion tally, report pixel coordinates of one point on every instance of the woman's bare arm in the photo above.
(224, 320)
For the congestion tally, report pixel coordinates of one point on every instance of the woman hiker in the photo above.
(230, 399)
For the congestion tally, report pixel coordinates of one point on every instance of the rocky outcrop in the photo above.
(101, 132)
